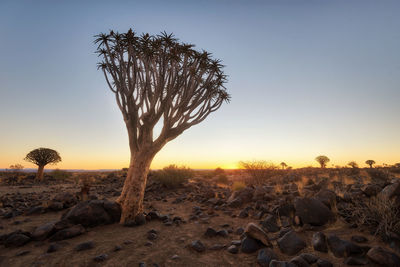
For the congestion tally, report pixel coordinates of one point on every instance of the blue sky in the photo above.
(306, 78)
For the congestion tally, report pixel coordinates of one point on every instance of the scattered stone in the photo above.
(319, 242)
(117, 248)
(100, 258)
(175, 257)
(198, 246)
(239, 231)
(210, 232)
(22, 253)
(299, 262)
(312, 211)
(16, 240)
(217, 247)
(324, 263)
(308, 257)
(68, 233)
(265, 256)
(276, 263)
(223, 233)
(250, 245)
(342, 248)
(359, 239)
(84, 246)
(53, 247)
(257, 233)
(233, 249)
(383, 257)
(151, 236)
(43, 231)
(291, 243)
(356, 261)
(244, 214)
(270, 224)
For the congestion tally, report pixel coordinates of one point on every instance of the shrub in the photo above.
(60, 174)
(222, 179)
(379, 214)
(172, 176)
(379, 176)
(259, 171)
(219, 171)
(238, 186)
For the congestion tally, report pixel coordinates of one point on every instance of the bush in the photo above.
(172, 176)
(259, 171)
(60, 174)
(222, 179)
(238, 186)
(379, 176)
(380, 215)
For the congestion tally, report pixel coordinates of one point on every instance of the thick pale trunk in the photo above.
(131, 199)
(39, 174)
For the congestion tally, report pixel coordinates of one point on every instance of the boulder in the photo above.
(94, 212)
(17, 239)
(391, 190)
(240, 197)
(44, 231)
(299, 262)
(326, 196)
(312, 211)
(68, 233)
(265, 256)
(250, 245)
(319, 242)
(198, 246)
(270, 224)
(343, 248)
(66, 198)
(291, 243)
(383, 257)
(371, 189)
(257, 233)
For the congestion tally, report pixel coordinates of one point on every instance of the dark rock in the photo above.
(92, 213)
(239, 231)
(233, 249)
(342, 248)
(16, 240)
(55, 206)
(291, 243)
(324, 263)
(270, 224)
(257, 233)
(84, 246)
(250, 245)
(53, 247)
(154, 215)
(217, 247)
(359, 239)
(265, 256)
(198, 246)
(383, 257)
(319, 242)
(391, 190)
(310, 258)
(66, 198)
(285, 209)
(35, 210)
(244, 214)
(151, 236)
(117, 248)
(68, 233)
(326, 196)
(210, 232)
(43, 231)
(356, 261)
(100, 258)
(371, 189)
(276, 263)
(22, 253)
(299, 261)
(223, 233)
(312, 211)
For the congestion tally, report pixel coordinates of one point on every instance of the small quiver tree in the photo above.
(156, 80)
(322, 160)
(41, 157)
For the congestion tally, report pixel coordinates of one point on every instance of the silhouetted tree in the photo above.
(42, 157)
(370, 162)
(322, 160)
(353, 164)
(156, 80)
(283, 165)
(16, 167)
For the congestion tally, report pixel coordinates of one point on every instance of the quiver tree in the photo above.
(156, 80)
(353, 164)
(370, 162)
(283, 165)
(322, 160)
(41, 157)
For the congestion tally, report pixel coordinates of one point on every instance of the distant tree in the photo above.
(156, 80)
(16, 167)
(353, 164)
(283, 165)
(397, 165)
(370, 162)
(219, 171)
(322, 160)
(41, 157)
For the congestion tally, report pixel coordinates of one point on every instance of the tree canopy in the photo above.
(43, 156)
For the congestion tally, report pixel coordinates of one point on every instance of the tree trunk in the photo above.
(131, 199)
(39, 174)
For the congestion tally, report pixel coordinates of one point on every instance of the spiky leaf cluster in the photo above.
(43, 156)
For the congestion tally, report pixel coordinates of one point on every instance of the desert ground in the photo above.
(302, 217)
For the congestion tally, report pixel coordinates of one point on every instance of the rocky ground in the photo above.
(197, 224)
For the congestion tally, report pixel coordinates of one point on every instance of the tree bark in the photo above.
(39, 174)
(131, 199)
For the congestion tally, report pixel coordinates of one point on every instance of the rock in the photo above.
(68, 233)
(286, 210)
(151, 236)
(327, 197)
(356, 261)
(53, 247)
(359, 239)
(55, 206)
(43, 231)
(154, 215)
(92, 213)
(276, 263)
(240, 197)
(35, 210)
(312, 211)
(244, 214)
(308, 257)
(233, 249)
(383, 257)
(319, 242)
(223, 233)
(16, 240)
(217, 247)
(257, 233)
(210, 232)
(250, 245)
(175, 257)
(299, 262)
(84, 246)
(239, 231)
(100, 258)
(371, 189)
(291, 243)
(66, 198)
(198, 246)
(270, 224)
(391, 190)
(117, 248)
(324, 263)
(265, 256)
(342, 248)
(22, 253)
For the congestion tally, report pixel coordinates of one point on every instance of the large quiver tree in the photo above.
(41, 157)
(156, 80)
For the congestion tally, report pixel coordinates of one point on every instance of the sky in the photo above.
(306, 77)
